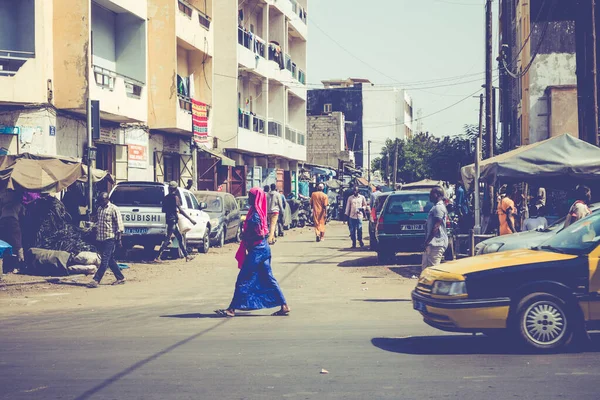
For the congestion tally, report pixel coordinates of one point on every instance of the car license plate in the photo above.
(413, 227)
(419, 306)
(136, 231)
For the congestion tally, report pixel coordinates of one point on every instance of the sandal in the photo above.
(225, 313)
(281, 313)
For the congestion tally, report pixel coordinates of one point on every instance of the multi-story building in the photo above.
(56, 54)
(326, 140)
(538, 71)
(259, 64)
(180, 66)
(372, 113)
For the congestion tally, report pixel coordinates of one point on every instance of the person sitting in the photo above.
(536, 221)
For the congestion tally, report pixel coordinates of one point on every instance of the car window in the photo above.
(188, 200)
(243, 203)
(214, 203)
(579, 238)
(195, 204)
(408, 203)
(232, 203)
(379, 201)
(145, 196)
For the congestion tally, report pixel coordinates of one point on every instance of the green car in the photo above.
(401, 224)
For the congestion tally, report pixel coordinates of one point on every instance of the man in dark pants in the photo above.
(110, 228)
(172, 208)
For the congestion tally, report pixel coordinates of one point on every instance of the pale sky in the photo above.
(414, 41)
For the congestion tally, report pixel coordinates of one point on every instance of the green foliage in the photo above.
(427, 157)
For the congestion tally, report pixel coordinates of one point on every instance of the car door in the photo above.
(189, 208)
(236, 217)
(228, 204)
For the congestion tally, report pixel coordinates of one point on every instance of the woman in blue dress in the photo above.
(256, 287)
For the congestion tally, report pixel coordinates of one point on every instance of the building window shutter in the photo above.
(121, 163)
(186, 169)
(159, 169)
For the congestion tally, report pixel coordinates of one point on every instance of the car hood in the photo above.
(522, 240)
(501, 260)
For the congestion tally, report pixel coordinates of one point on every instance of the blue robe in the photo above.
(256, 287)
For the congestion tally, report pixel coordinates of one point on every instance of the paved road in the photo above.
(354, 319)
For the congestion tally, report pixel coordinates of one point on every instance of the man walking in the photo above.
(172, 208)
(436, 241)
(355, 211)
(275, 207)
(319, 202)
(109, 230)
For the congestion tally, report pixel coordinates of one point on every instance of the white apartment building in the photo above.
(259, 65)
(51, 54)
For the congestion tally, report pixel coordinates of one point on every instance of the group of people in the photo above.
(507, 210)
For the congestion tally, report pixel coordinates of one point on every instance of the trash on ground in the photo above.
(123, 266)
(324, 372)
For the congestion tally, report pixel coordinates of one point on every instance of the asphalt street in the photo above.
(159, 339)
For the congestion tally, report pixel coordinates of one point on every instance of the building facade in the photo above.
(326, 140)
(146, 62)
(372, 113)
(259, 63)
(538, 71)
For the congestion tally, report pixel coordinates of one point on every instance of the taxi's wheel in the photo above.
(544, 321)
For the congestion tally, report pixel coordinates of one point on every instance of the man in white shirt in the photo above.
(355, 211)
(536, 221)
(275, 207)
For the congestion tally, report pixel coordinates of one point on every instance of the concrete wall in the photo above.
(325, 139)
(564, 117)
(29, 84)
(103, 37)
(71, 52)
(554, 69)
(225, 103)
(162, 64)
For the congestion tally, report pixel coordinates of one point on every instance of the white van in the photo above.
(140, 204)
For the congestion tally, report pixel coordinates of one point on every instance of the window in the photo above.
(185, 9)
(409, 203)
(135, 196)
(133, 90)
(195, 203)
(214, 203)
(171, 170)
(104, 78)
(327, 108)
(188, 200)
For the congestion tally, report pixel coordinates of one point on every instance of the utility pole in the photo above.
(369, 158)
(488, 77)
(594, 139)
(90, 144)
(477, 227)
(395, 172)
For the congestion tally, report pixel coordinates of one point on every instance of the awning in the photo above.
(226, 161)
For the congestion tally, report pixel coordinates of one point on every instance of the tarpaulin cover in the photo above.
(43, 173)
(424, 184)
(562, 157)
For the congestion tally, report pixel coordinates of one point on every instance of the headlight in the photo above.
(479, 249)
(214, 223)
(449, 288)
(493, 248)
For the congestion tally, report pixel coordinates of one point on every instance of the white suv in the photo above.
(140, 204)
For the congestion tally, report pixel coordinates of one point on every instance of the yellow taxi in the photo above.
(544, 297)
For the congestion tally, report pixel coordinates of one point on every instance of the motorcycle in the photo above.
(307, 213)
(331, 212)
(295, 208)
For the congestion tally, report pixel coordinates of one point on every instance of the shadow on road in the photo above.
(461, 344)
(382, 300)
(213, 315)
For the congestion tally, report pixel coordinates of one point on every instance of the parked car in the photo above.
(140, 204)
(523, 240)
(401, 224)
(374, 217)
(225, 216)
(544, 297)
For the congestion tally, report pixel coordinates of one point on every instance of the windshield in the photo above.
(409, 203)
(214, 203)
(148, 196)
(579, 238)
(243, 203)
(379, 200)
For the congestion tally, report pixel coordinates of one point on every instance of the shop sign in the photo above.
(137, 145)
(108, 136)
(9, 130)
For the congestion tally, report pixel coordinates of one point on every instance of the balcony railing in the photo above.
(185, 103)
(244, 120)
(252, 42)
(298, 10)
(258, 124)
(252, 122)
(275, 128)
(301, 76)
(204, 20)
(295, 136)
(301, 139)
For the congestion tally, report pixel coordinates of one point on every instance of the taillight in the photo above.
(380, 222)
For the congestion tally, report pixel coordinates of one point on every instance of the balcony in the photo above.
(299, 10)
(184, 114)
(252, 42)
(193, 27)
(11, 61)
(251, 122)
(295, 136)
(275, 128)
(122, 99)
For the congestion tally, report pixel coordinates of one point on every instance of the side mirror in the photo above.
(203, 206)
